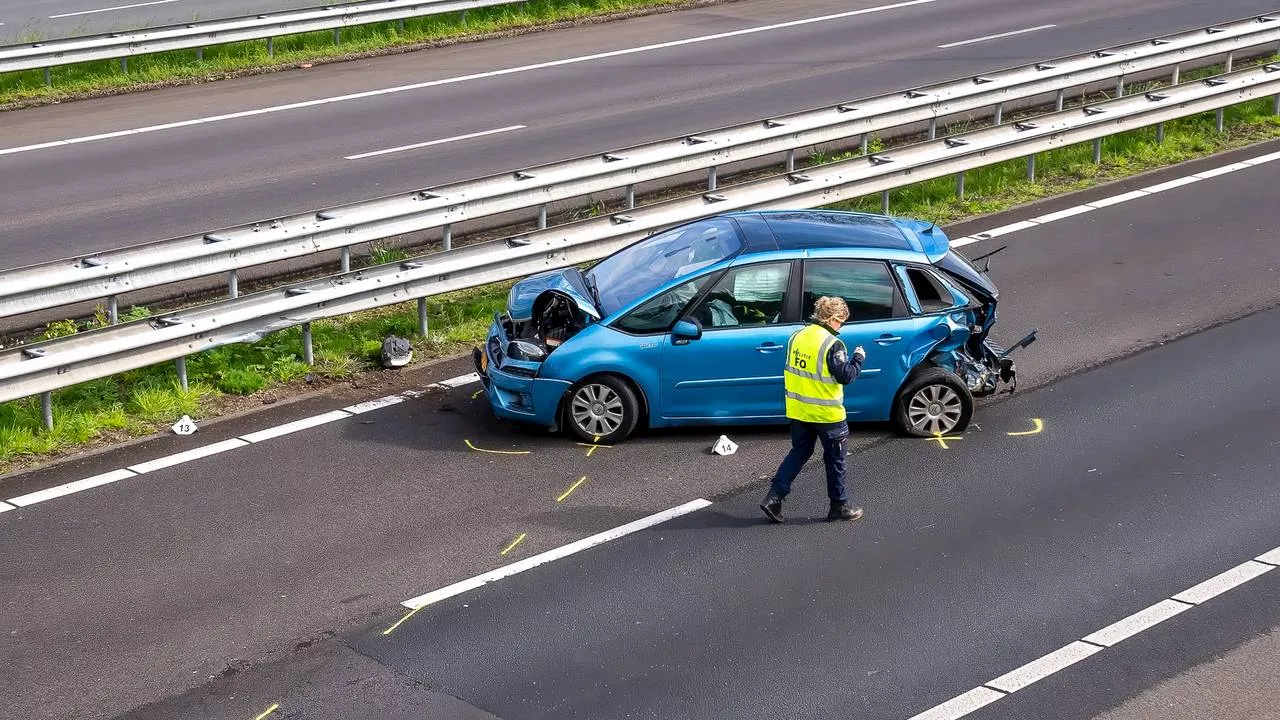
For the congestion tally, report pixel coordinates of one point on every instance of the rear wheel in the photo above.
(931, 403)
(602, 409)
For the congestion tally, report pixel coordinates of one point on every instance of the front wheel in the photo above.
(932, 403)
(602, 409)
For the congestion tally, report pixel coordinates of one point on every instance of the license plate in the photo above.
(484, 361)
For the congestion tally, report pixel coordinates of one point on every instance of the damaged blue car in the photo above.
(689, 325)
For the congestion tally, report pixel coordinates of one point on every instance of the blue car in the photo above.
(689, 325)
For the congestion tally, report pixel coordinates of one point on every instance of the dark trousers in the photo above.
(835, 441)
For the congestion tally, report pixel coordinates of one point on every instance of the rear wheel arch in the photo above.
(928, 376)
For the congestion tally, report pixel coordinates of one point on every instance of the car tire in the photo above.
(602, 409)
(932, 402)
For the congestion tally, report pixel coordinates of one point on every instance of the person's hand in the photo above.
(859, 353)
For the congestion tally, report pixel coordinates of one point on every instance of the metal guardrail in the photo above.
(66, 361)
(106, 46)
(107, 274)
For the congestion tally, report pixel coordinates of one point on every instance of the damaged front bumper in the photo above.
(513, 387)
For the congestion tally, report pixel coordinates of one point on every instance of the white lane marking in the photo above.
(457, 382)
(1006, 229)
(1043, 667)
(1222, 170)
(1117, 199)
(110, 9)
(1272, 557)
(4, 506)
(429, 143)
(1136, 623)
(71, 487)
(997, 36)
(370, 405)
(295, 426)
(1069, 212)
(1179, 182)
(188, 456)
(1263, 159)
(563, 551)
(1079, 650)
(961, 705)
(475, 76)
(1219, 584)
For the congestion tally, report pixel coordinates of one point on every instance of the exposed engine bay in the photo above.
(555, 319)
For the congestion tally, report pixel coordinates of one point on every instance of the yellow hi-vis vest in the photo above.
(813, 395)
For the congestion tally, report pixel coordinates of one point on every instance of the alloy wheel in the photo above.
(597, 410)
(935, 409)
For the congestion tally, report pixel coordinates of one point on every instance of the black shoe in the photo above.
(772, 506)
(844, 511)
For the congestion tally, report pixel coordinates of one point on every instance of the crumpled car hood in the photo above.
(568, 282)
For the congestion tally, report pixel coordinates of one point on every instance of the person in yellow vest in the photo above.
(818, 367)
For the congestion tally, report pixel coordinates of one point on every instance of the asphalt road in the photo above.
(22, 19)
(68, 199)
(269, 570)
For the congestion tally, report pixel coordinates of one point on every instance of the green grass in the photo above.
(146, 400)
(23, 88)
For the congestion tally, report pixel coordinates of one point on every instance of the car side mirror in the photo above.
(686, 330)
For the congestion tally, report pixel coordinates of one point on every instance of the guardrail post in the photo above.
(1062, 96)
(124, 65)
(791, 160)
(113, 310)
(864, 143)
(1120, 86)
(960, 185)
(46, 409)
(1218, 119)
(447, 238)
(542, 217)
(999, 113)
(182, 372)
(233, 284)
(1231, 58)
(1275, 105)
(345, 260)
(337, 36)
(933, 128)
(631, 196)
(1031, 168)
(422, 316)
(48, 77)
(400, 25)
(199, 54)
(711, 178)
(1177, 74)
(1097, 151)
(271, 47)
(884, 202)
(1160, 133)
(308, 351)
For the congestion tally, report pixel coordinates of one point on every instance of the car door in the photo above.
(878, 321)
(734, 371)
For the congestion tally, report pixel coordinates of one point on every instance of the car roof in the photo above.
(792, 230)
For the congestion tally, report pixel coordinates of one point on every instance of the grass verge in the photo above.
(106, 77)
(229, 378)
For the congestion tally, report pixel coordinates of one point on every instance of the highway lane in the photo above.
(22, 19)
(65, 200)
(138, 591)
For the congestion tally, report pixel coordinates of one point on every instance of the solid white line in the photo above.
(295, 426)
(188, 456)
(1222, 170)
(475, 76)
(961, 705)
(1055, 216)
(563, 551)
(1136, 623)
(4, 506)
(1005, 229)
(429, 143)
(1219, 584)
(110, 9)
(996, 37)
(71, 487)
(1161, 187)
(457, 381)
(1117, 199)
(1272, 557)
(1042, 668)
(1263, 159)
(370, 405)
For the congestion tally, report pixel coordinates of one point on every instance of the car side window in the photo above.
(865, 285)
(659, 313)
(746, 296)
(932, 295)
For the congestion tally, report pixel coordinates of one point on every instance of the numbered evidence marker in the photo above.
(185, 426)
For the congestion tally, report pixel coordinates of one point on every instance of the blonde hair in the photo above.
(827, 309)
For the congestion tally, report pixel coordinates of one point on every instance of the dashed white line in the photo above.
(187, 456)
(997, 36)
(1042, 668)
(1143, 619)
(1219, 584)
(368, 406)
(72, 487)
(295, 426)
(475, 76)
(4, 506)
(1271, 558)
(430, 143)
(110, 9)
(961, 705)
(458, 381)
(563, 551)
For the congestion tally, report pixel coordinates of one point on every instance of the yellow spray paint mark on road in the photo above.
(514, 543)
(572, 488)
(477, 393)
(942, 439)
(497, 452)
(268, 711)
(591, 448)
(400, 622)
(1037, 422)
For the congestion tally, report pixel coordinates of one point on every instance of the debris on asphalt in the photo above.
(724, 446)
(185, 426)
(396, 352)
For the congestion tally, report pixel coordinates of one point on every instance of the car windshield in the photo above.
(634, 271)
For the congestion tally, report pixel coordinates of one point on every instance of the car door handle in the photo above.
(768, 347)
(887, 339)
